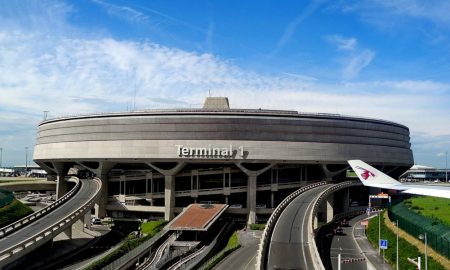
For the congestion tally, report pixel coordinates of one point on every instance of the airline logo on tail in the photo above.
(366, 173)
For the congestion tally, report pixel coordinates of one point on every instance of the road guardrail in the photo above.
(265, 238)
(36, 215)
(25, 246)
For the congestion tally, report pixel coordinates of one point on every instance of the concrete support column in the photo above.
(103, 199)
(61, 186)
(169, 197)
(68, 232)
(87, 220)
(169, 188)
(329, 207)
(149, 176)
(346, 200)
(251, 198)
(272, 200)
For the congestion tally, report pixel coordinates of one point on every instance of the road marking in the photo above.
(249, 262)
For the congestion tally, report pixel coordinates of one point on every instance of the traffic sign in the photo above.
(383, 243)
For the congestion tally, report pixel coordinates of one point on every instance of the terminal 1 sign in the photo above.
(210, 151)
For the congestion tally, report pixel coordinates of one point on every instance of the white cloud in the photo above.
(357, 62)
(123, 12)
(342, 43)
(88, 74)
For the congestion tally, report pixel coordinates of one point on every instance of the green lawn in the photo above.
(151, 226)
(405, 248)
(259, 227)
(432, 207)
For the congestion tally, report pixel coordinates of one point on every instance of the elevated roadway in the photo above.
(292, 237)
(22, 239)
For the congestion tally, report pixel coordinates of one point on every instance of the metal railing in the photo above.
(36, 215)
(187, 111)
(135, 253)
(23, 247)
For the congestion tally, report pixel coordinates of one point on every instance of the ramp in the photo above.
(197, 217)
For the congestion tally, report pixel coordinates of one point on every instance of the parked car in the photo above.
(96, 221)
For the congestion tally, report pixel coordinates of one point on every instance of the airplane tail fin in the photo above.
(370, 176)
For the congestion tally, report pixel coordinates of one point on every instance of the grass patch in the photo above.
(258, 227)
(431, 207)
(405, 248)
(13, 212)
(232, 245)
(152, 228)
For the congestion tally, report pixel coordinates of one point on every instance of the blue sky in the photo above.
(385, 59)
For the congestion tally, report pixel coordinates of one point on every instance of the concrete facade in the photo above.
(170, 146)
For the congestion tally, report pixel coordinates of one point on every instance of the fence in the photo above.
(438, 234)
(6, 197)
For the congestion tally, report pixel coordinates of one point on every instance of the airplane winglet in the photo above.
(370, 176)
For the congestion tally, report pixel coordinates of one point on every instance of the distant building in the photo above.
(419, 173)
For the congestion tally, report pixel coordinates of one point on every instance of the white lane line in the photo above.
(246, 266)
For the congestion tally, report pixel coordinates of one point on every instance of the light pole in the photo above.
(446, 169)
(396, 257)
(26, 161)
(422, 237)
(379, 232)
(1, 156)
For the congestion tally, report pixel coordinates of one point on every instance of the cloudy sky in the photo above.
(387, 59)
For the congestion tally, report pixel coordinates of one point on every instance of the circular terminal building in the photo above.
(155, 162)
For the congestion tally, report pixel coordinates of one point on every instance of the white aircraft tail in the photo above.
(370, 176)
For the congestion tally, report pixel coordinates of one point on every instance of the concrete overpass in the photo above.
(288, 240)
(31, 232)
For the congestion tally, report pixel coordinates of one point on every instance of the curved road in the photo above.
(87, 190)
(243, 258)
(289, 247)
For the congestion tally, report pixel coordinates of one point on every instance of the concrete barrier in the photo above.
(25, 246)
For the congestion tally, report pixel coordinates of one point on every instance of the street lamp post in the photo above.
(379, 232)
(396, 257)
(446, 168)
(26, 161)
(1, 156)
(422, 237)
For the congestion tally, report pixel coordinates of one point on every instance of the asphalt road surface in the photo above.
(353, 244)
(86, 192)
(289, 246)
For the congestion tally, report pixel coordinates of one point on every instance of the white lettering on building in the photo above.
(209, 152)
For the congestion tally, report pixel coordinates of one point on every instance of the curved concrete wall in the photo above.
(264, 136)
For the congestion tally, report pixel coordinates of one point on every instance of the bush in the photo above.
(13, 212)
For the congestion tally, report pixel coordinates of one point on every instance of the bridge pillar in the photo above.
(346, 200)
(61, 186)
(251, 189)
(329, 207)
(251, 199)
(68, 232)
(86, 219)
(61, 172)
(169, 187)
(102, 173)
(169, 197)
